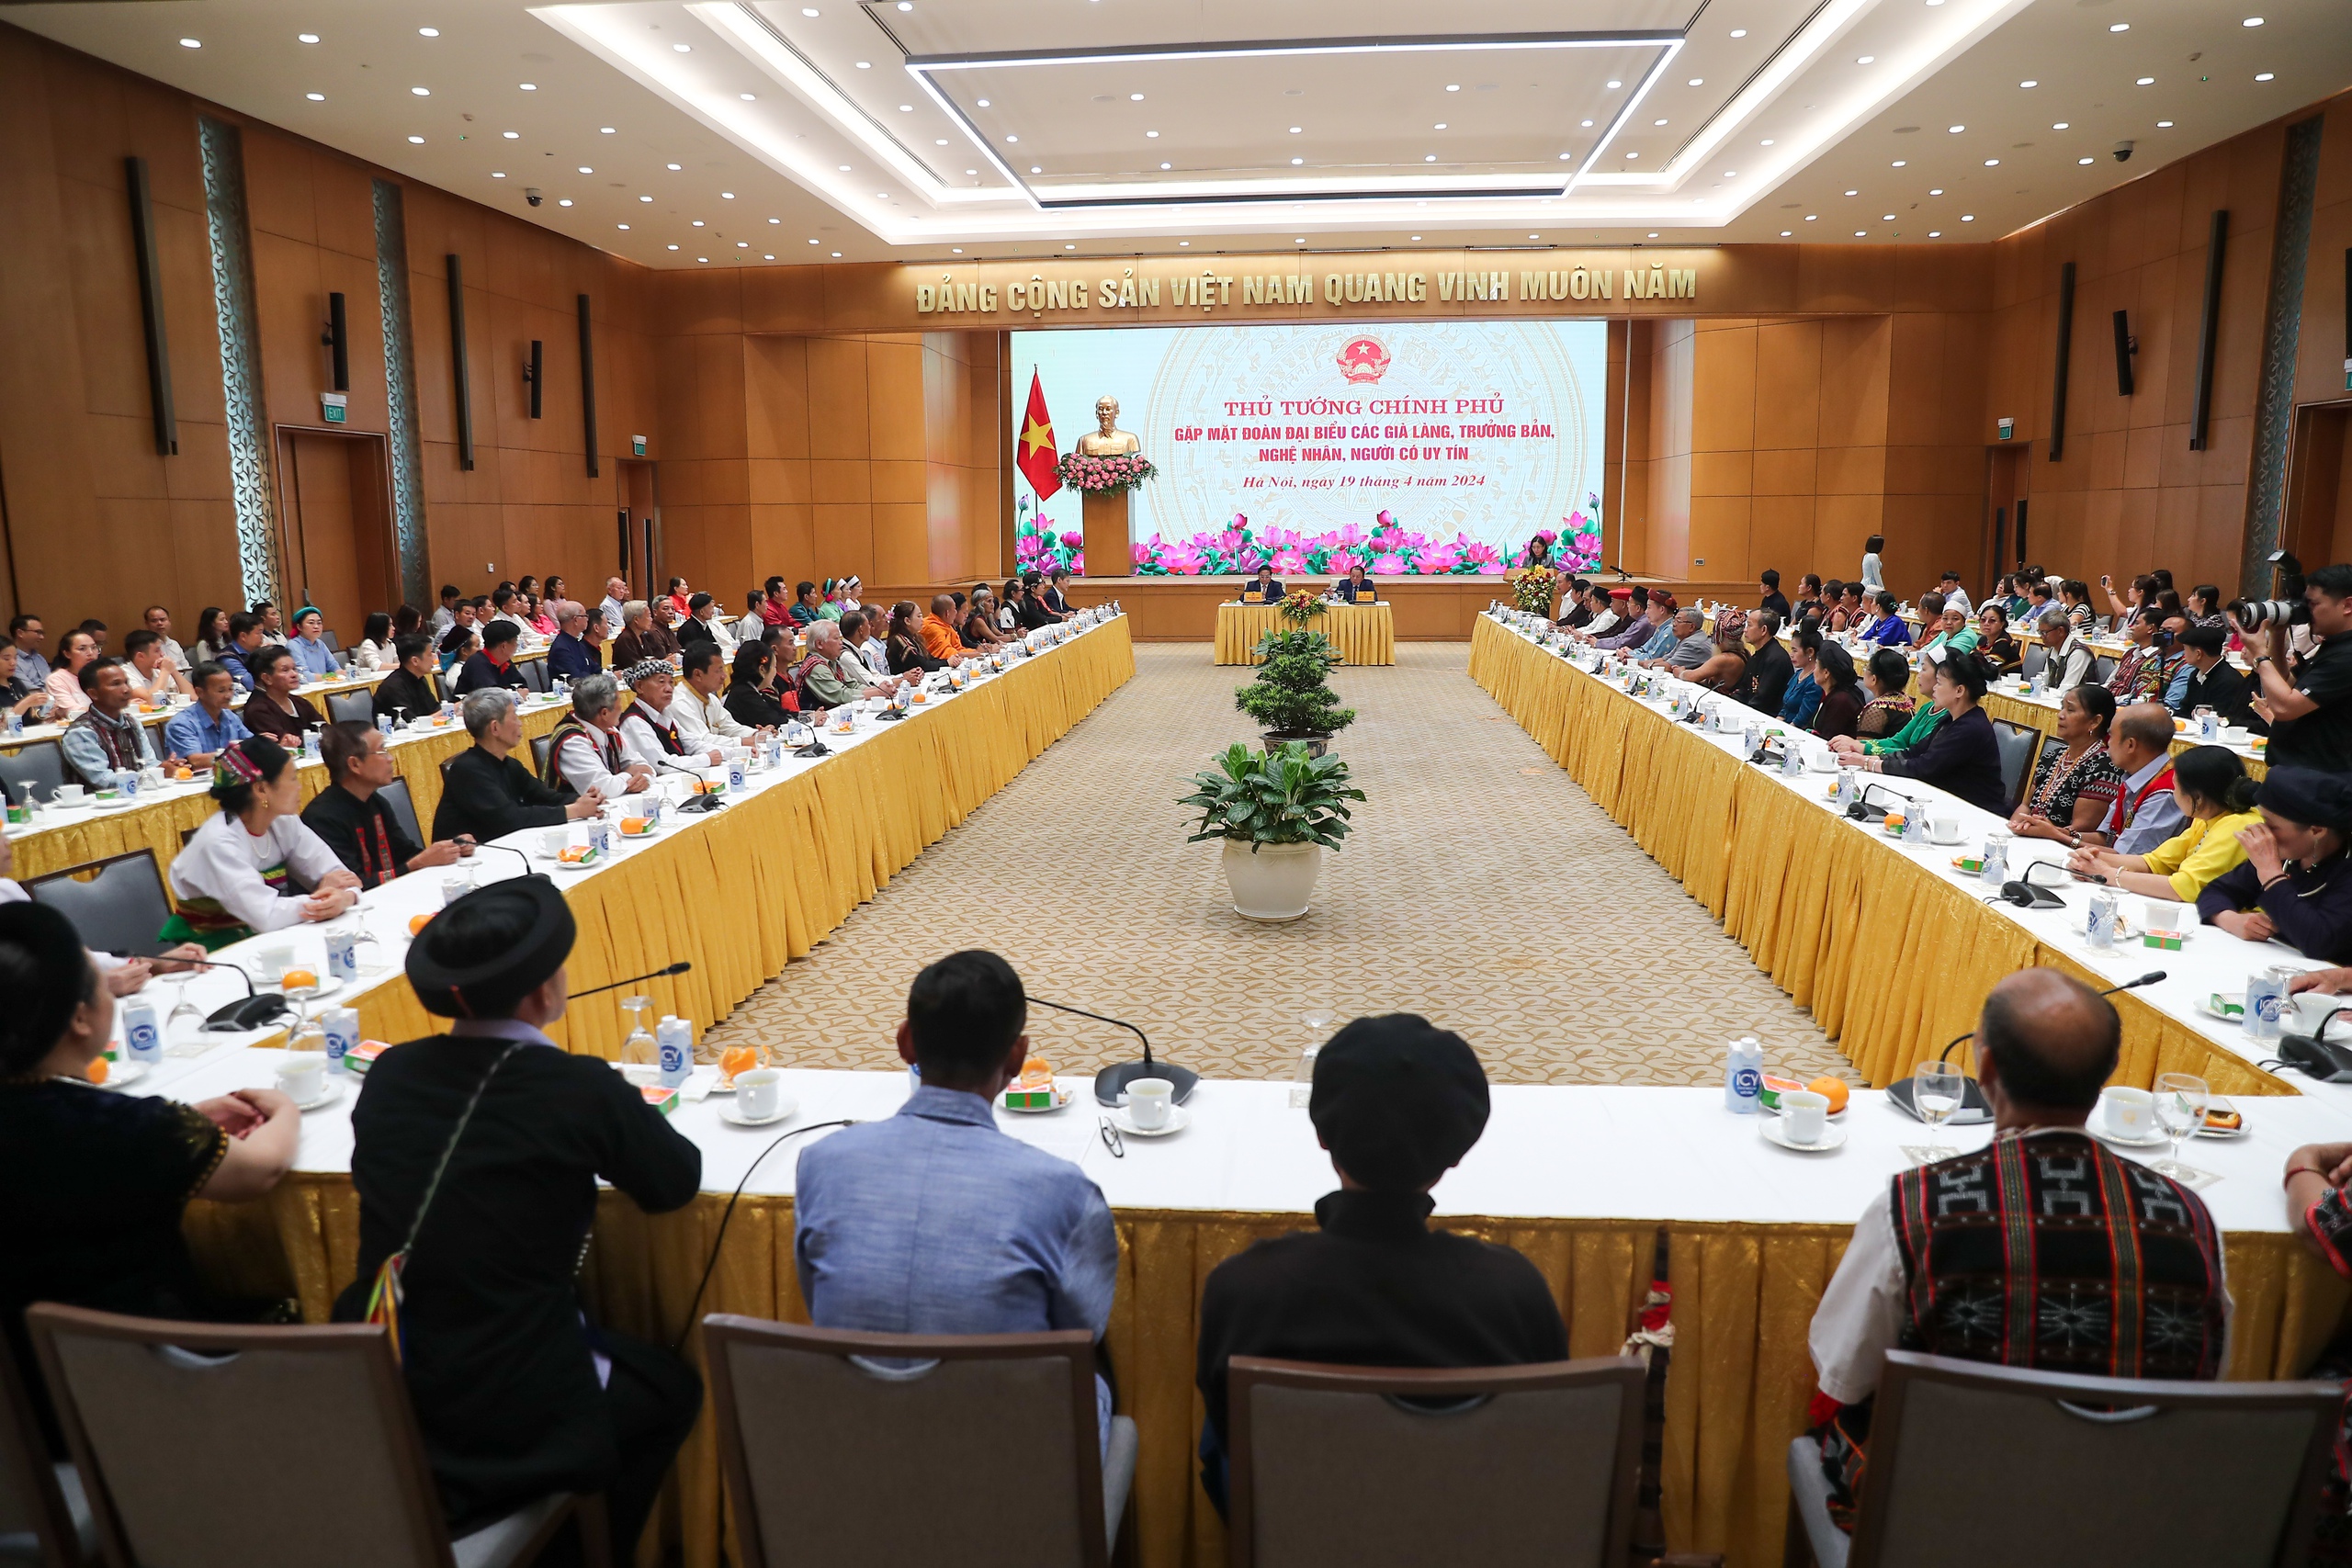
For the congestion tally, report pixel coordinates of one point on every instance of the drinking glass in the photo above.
(2180, 1105)
(641, 1046)
(1317, 1021)
(1938, 1089)
(193, 1042)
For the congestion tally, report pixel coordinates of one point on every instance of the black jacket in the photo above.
(498, 1360)
(477, 673)
(490, 797)
(2226, 691)
(349, 825)
(1373, 1287)
(1766, 685)
(1346, 592)
(1963, 756)
(400, 692)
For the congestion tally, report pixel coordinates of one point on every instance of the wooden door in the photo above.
(2006, 538)
(339, 528)
(2317, 527)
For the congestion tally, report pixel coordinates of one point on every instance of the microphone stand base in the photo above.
(1974, 1110)
(248, 1012)
(1111, 1082)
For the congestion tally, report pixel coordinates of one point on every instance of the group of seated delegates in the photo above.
(1949, 743)
(487, 792)
(232, 878)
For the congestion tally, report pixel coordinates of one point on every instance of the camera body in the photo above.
(531, 194)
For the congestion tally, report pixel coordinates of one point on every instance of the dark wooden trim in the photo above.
(463, 407)
(2065, 361)
(588, 385)
(2209, 333)
(151, 308)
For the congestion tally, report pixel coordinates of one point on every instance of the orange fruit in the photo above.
(294, 978)
(1835, 1089)
(97, 1071)
(737, 1059)
(417, 923)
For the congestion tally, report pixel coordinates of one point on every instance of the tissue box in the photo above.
(2169, 941)
(666, 1100)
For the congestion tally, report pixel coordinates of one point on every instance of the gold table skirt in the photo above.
(1892, 959)
(1736, 1389)
(1364, 634)
(164, 826)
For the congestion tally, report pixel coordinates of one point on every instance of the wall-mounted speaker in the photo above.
(2126, 345)
(2217, 241)
(535, 373)
(463, 405)
(2065, 361)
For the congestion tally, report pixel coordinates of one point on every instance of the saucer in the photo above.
(2155, 1140)
(327, 1095)
(786, 1106)
(120, 803)
(1177, 1119)
(326, 987)
(2205, 1006)
(1775, 1130)
(123, 1074)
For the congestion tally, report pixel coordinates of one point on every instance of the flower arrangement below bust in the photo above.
(1531, 587)
(1097, 476)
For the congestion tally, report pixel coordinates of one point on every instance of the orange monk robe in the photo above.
(941, 640)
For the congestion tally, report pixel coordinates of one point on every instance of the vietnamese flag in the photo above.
(1037, 459)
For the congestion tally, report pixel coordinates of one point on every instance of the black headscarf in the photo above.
(1398, 1100)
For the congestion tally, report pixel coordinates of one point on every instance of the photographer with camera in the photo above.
(2309, 705)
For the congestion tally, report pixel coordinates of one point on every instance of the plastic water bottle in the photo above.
(143, 1037)
(1847, 788)
(1997, 859)
(342, 954)
(342, 1026)
(1792, 756)
(383, 724)
(1914, 823)
(736, 777)
(2266, 1002)
(677, 1046)
(1743, 1075)
(2098, 930)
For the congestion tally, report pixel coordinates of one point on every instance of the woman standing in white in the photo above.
(238, 874)
(1873, 573)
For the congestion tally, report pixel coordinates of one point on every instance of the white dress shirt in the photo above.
(876, 656)
(638, 735)
(587, 765)
(704, 722)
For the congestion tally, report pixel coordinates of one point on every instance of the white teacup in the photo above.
(1943, 824)
(302, 1076)
(2129, 1113)
(554, 842)
(274, 961)
(1804, 1115)
(2161, 915)
(1148, 1101)
(2312, 1009)
(70, 794)
(759, 1093)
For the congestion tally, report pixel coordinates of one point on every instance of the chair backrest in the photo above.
(121, 910)
(348, 706)
(326, 635)
(2102, 668)
(1976, 1463)
(31, 1503)
(1365, 1467)
(2034, 660)
(819, 1429)
(540, 746)
(212, 1447)
(2017, 746)
(534, 674)
(33, 771)
(395, 796)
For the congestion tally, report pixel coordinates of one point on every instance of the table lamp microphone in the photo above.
(1974, 1109)
(1111, 1082)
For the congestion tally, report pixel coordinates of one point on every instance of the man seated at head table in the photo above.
(1356, 587)
(2009, 1254)
(932, 1221)
(941, 640)
(2295, 883)
(517, 1394)
(1397, 1102)
(1692, 647)
(1263, 588)
(1653, 628)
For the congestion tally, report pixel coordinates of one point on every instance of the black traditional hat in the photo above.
(2309, 796)
(1398, 1100)
(484, 954)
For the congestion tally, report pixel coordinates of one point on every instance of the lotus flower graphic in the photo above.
(1364, 359)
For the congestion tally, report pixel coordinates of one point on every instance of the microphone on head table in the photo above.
(509, 849)
(679, 967)
(1973, 1106)
(252, 1011)
(1111, 1082)
(1862, 806)
(2022, 892)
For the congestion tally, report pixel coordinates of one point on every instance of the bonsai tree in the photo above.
(1282, 796)
(1290, 697)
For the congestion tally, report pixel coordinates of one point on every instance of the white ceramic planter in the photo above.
(1274, 881)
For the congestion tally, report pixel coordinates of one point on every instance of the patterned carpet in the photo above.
(1481, 887)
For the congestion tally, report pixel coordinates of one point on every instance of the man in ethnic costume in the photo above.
(2043, 1249)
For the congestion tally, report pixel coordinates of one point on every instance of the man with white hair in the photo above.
(647, 729)
(1692, 647)
(831, 676)
(587, 754)
(574, 654)
(615, 603)
(485, 794)
(642, 637)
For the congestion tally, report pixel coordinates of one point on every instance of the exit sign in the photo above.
(637, 446)
(2005, 429)
(333, 407)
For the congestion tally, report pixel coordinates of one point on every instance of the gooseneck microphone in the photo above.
(252, 1011)
(1111, 1082)
(1972, 1105)
(509, 849)
(679, 967)
(2022, 892)
(698, 803)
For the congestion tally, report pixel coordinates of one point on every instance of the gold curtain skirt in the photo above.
(1364, 634)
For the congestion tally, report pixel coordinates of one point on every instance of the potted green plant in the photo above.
(1289, 699)
(1277, 811)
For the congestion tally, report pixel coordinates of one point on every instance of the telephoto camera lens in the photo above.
(2252, 613)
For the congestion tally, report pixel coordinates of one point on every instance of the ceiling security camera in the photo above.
(2123, 151)
(531, 193)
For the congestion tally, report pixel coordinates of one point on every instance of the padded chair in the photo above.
(33, 772)
(1973, 1463)
(1363, 1467)
(2018, 746)
(206, 1446)
(540, 746)
(119, 909)
(535, 674)
(44, 1516)
(344, 707)
(2034, 660)
(326, 635)
(820, 1428)
(395, 796)
(2102, 668)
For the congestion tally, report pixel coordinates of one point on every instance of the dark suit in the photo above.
(480, 673)
(1270, 590)
(1766, 685)
(1348, 592)
(571, 657)
(490, 797)
(2225, 690)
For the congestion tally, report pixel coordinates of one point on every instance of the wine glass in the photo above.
(195, 1045)
(1937, 1091)
(1317, 1021)
(640, 1047)
(2180, 1110)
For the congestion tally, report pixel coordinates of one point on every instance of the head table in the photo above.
(1584, 1181)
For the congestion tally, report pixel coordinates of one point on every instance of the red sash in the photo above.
(2127, 806)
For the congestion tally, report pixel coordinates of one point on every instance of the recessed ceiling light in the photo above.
(771, 258)
(606, 130)
(1698, 81)
(1297, 162)
(1853, 193)
(1731, 173)
(742, 245)
(2119, 26)
(816, 242)
(306, 37)
(1786, 232)
(1186, 243)
(971, 171)
(1859, 233)
(2251, 22)
(2146, 81)
(1886, 218)
(1586, 122)
(1632, 154)
(528, 87)
(1429, 157)
(844, 167)
(1440, 125)
(674, 247)
(2263, 75)
(683, 48)
(808, 10)
(1070, 247)
(1992, 163)
(866, 65)
(1013, 138)
(645, 198)
(1937, 191)
(702, 258)
(1417, 236)
(837, 255)
(1616, 84)
(1567, 157)
(1955, 130)
(191, 43)
(674, 168)
(1148, 133)
(498, 174)
(749, 97)
(316, 97)
(1811, 216)
(2059, 125)
(1739, 32)
(620, 225)
(939, 141)
(429, 33)
(1658, 122)
(984, 103)
(1652, 234)
(698, 223)
(906, 4)
(727, 196)
(2164, 125)
(957, 249)
(2028, 82)
(586, 170)
(1866, 60)
(905, 109)
(1766, 142)
(422, 92)
(1300, 241)
(1900, 161)
(1167, 165)
(1036, 170)
(1968, 218)
(2086, 160)
(417, 140)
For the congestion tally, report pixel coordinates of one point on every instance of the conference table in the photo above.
(1364, 634)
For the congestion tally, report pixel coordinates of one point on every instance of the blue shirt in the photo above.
(1799, 706)
(1662, 641)
(1888, 631)
(192, 731)
(933, 1222)
(315, 660)
(233, 660)
(33, 669)
(571, 657)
